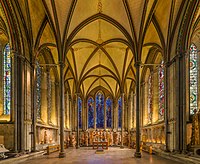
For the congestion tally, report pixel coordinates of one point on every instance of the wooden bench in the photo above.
(147, 148)
(54, 148)
(2, 151)
(102, 143)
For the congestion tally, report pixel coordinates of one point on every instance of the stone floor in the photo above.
(110, 156)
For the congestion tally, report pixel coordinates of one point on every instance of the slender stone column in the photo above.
(105, 122)
(115, 115)
(178, 113)
(34, 111)
(122, 128)
(95, 115)
(20, 98)
(137, 153)
(86, 115)
(166, 107)
(70, 112)
(62, 114)
(14, 82)
(184, 103)
(77, 129)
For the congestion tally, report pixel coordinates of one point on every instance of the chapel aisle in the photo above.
(88, 156)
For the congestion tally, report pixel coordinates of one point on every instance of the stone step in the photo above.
(21, 158)
(178, 157)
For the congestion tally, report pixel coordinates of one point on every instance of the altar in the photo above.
(96, 144)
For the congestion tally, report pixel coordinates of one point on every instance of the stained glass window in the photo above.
(7, 79)
(100, 110)
(120, 112)
(80, 112)
(193, 79)
(38, 88)
(150, 96)
(109, 113)
(90, 113)
(161, 92)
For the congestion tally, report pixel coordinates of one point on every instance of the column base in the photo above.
(61, 154)
(167, 151)
(121, 147)
(137, 155)
(77, 147)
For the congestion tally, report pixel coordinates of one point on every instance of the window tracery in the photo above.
(150, 98)
(120, 112)
(90, 112)
(38, 88)
(80, 112)
(161, 92)
(7, 79)
(100, 110)
(193, 79)
(109, 113)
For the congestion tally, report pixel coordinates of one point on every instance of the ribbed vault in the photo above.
(100, 40)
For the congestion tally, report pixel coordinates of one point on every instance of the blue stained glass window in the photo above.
(100, 110)
(80, 112)
(193, 79)
(150, 98)
(109, 112)
(7, 79)
(120, 112)
(161, 92)
(90, 113)
(38, 88)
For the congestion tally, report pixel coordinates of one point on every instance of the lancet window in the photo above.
(120, 112)
(38, 88)
(150, 98)
(109, 113)
(161, 92)
(193, 79)
(90, 112)
(80, 112)
(99, 110)
(7, 79)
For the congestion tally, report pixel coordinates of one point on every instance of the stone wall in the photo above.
(7, 130)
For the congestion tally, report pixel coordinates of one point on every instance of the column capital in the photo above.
(166, 64)
(61, 64)
(122, 93)
(56, 83)
(77, 93)
(137, 63)
(16, 55)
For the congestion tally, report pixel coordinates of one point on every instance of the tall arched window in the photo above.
(100, 110)
(80, 112)
(161, 92)
(7, 79)
(150, 96)
(90, 113)
(193, 79)
(120, 112)
(109, 113)
(38, 88)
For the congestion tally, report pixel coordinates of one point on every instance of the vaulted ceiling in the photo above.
(100, 40)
